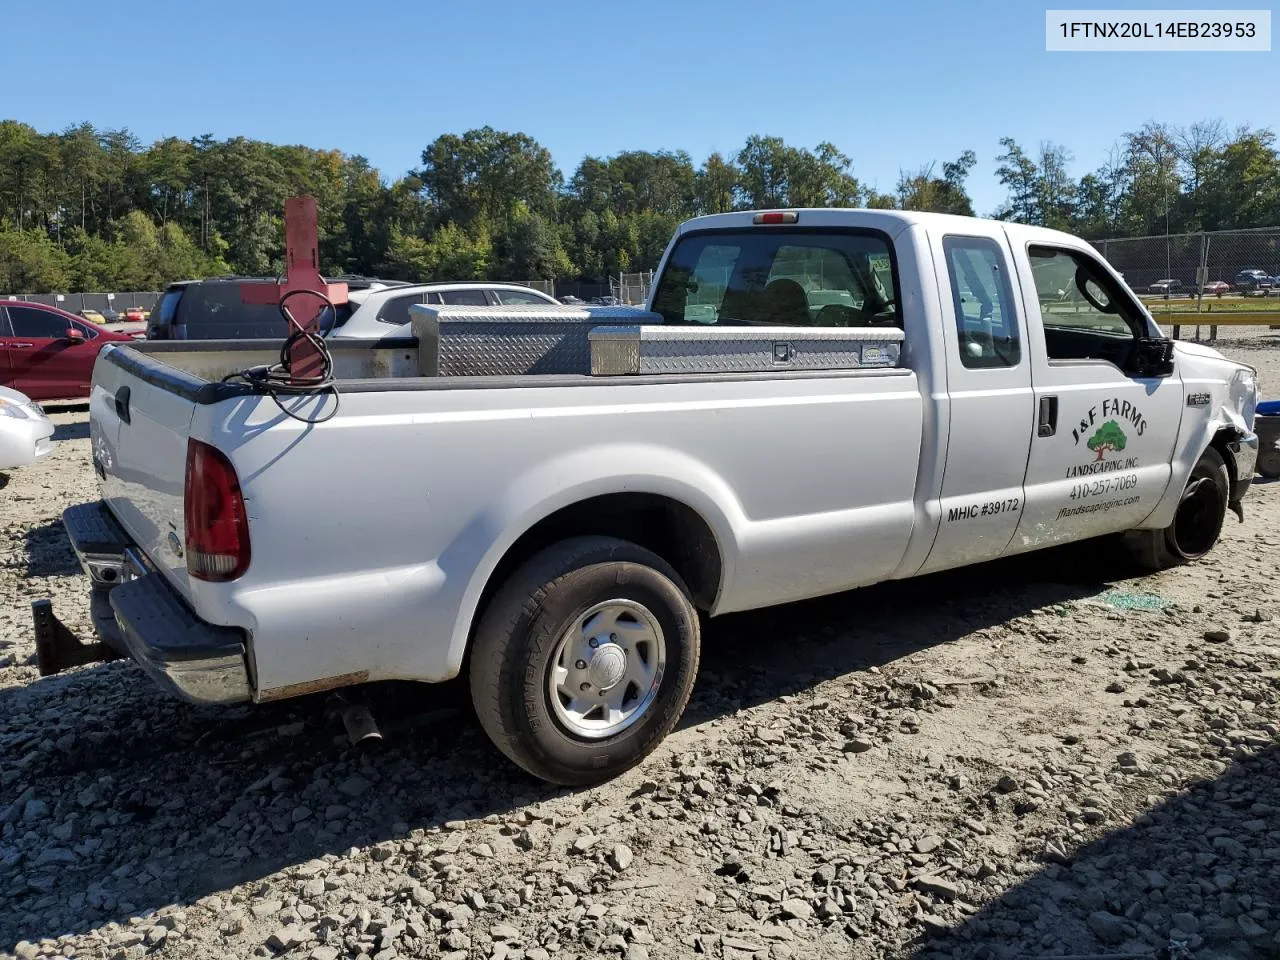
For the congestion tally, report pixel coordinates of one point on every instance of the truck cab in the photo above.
(1057, 408)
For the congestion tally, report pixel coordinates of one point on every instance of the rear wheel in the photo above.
(1196, 524)
(584, 659)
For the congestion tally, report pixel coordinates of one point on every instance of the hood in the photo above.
(1189, 348)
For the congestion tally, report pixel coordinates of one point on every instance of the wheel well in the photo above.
(669, 528)
(1219, 442)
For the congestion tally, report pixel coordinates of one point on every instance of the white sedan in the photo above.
(25, 432)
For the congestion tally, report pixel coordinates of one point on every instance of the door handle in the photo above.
(19, 346)
(1047, 423)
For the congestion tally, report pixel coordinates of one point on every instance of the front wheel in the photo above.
(584, 659)
(1196, 524)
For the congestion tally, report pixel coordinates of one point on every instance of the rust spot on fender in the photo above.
(313, 686)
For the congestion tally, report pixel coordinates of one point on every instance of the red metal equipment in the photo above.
(304, 290)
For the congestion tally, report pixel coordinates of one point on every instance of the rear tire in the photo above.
(1197, 524)
(584, 659)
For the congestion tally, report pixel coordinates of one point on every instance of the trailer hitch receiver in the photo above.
(57, 648)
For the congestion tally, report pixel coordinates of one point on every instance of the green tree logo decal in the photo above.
(1108, 437)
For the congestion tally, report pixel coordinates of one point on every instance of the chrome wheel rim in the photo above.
(606, 669)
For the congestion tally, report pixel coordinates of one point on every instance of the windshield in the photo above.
(819, 277)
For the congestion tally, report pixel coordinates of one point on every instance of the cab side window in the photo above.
(1084, 314)
(983, 301)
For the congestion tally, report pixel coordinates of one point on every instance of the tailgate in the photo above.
(140, 414)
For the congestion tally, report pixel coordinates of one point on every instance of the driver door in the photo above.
(1102, 448)
(43, 362)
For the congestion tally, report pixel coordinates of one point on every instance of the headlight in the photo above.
(10, 409)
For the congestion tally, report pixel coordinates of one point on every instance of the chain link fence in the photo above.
(631, 288)
(1225, 263)
(101, 302)
(542, 286)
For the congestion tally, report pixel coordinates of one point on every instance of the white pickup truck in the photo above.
(549, 502)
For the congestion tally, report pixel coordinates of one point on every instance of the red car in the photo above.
(47, 353)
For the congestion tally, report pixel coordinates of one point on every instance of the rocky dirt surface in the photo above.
(1046, 757)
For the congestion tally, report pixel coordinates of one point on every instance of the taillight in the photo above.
(213, 507)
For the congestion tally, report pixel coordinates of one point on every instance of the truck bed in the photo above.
(377, 528)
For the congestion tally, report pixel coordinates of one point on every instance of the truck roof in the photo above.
(891, 222)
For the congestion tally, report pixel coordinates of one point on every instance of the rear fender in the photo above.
(541, 491)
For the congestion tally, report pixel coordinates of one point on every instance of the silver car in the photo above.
(25, 432)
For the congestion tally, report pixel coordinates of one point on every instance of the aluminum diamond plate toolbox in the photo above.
(670, 349)
(457, 341)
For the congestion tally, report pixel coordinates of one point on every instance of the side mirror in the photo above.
(1152, 357)
(74, 335)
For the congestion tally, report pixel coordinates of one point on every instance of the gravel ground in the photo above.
(1037, 758)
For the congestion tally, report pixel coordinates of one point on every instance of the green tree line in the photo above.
(87, 209)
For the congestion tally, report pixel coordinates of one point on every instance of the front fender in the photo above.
(1229, 409)
(572, 478)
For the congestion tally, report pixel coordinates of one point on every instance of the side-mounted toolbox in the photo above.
(620, 341)
(676, 349)
(459, 341)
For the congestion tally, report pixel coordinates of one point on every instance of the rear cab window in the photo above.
(824, 277)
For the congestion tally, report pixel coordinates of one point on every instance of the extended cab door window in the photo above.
(990, 401)
(1106, 424)
(986, 322)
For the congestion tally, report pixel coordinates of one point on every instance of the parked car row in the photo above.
(213, 309)
(48, 353)
(1246, 281)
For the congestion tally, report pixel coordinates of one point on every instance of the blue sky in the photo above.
(892, 84)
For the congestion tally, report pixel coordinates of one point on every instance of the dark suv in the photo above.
(213, 310)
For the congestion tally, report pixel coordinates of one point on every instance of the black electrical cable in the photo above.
(277, 379)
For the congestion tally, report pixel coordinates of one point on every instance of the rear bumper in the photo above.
(136, 612)
(1243, 454)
